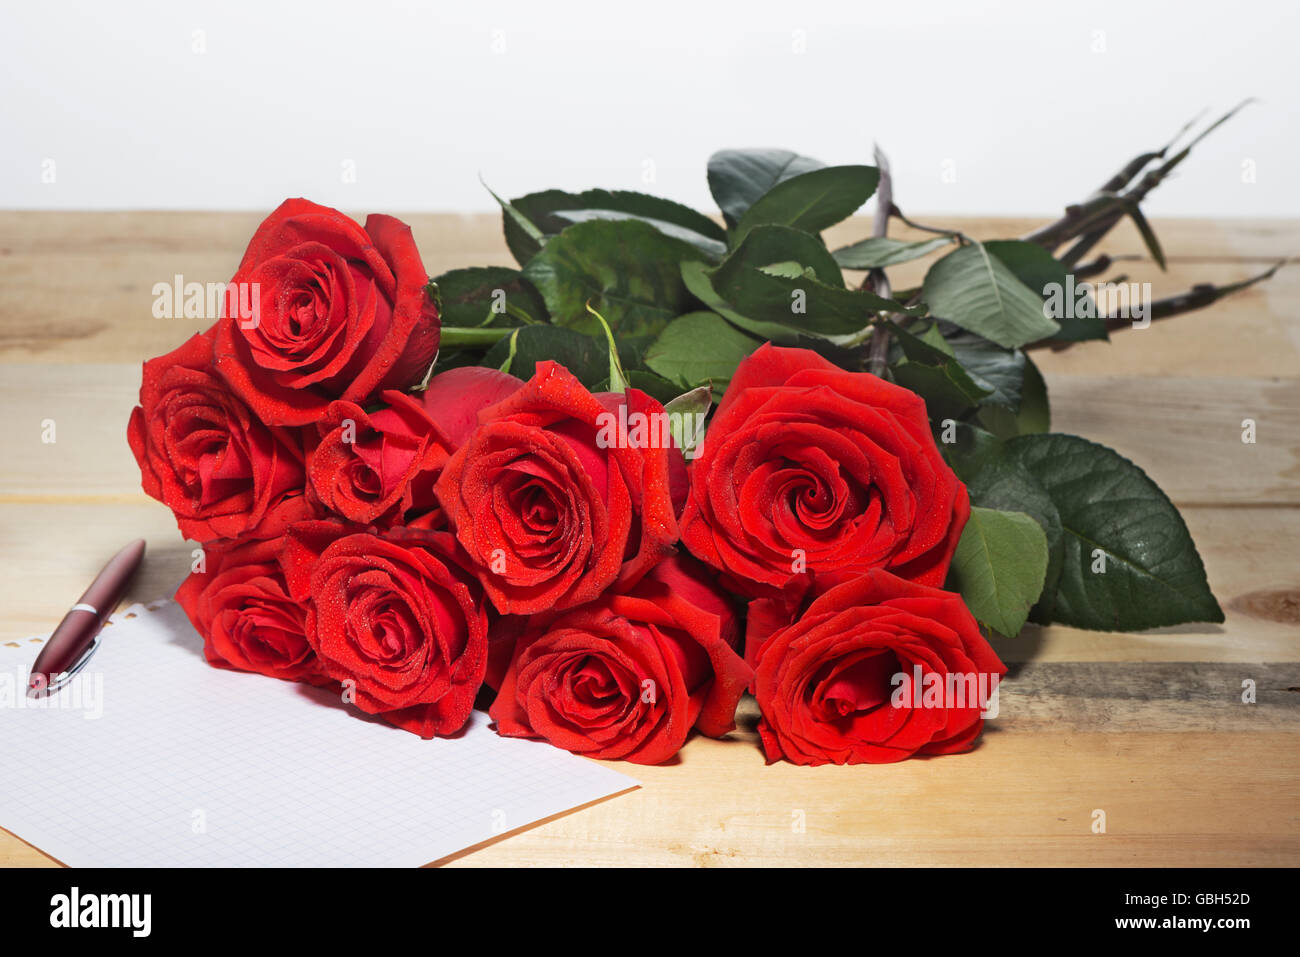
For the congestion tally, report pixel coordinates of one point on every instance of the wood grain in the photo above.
(1149, 728)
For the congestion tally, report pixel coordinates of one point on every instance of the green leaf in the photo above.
(975, 290)
(966, 447)
(999, 371)
(766, 246)
(695, 276)
(803, 304)
(1044, 274)
(712, 248)
(933, 373)
(999, 566)
(519, 229)
(698, 348)
(1114, 517)
(1032, 417)
(554, 209)
(811, 201)
(686, 415)
(881, 251)
(1008, 487)
(789, 270)
(585, 356)
(487, 295)
(628, 271)
(655, 386)
(737, 178)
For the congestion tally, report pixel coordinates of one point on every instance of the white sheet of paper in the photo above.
(151, 757)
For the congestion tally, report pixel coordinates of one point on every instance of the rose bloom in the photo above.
(380, 467)
(396, 617)
(240, 604)
(376, 467)
(340, 312)
(827, 682)
(807, 467)
(203, 454)
(549, 514)
(629, 676)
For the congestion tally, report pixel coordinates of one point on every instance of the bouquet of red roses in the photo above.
(664, 463)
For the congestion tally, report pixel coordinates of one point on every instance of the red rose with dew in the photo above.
(205, 455)
(631, 674)
(323, 309)
(852, 679)
(809, 468)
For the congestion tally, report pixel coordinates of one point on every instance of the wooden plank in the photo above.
(1019, 799)
(78, 287)
(1187, 432)
(1146, 696)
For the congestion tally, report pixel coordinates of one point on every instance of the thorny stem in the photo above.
(877, 281)
(956, 234)
(1096, 216)
(1095, 268)
(1198, 297)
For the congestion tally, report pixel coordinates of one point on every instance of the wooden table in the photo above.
(1148, 728)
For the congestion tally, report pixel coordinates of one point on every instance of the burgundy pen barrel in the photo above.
(82, 622)
(64, 647)
(110, 586)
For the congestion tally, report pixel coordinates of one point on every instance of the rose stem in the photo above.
(1198, 297)
(469, 337)
(876, 281)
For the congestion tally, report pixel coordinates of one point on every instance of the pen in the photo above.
(77, 636)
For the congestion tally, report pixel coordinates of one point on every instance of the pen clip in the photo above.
(62, 679)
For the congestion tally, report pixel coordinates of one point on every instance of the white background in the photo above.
(1027, 105)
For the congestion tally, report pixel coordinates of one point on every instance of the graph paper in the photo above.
(151, 757)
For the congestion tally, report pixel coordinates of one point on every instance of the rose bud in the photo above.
(240, 604)
(204, 455)
(628, 676)
(809, 468)
(375, 468)
(322, 309)
(396, 618)
(875, 670)
(552, 499)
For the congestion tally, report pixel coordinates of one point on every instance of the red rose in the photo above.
(628, 676)
(552, 499)
(454, 398)
(340, 312)
(240, 604)
(374, 468)
(808, 467)
(829, 685)
(205, 456)
(396, 618)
